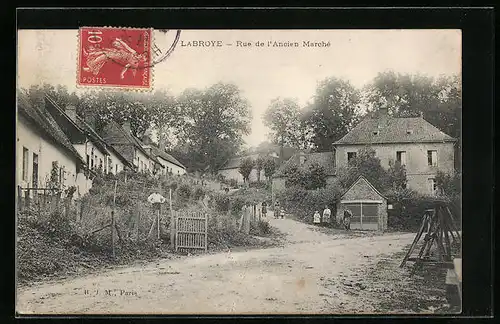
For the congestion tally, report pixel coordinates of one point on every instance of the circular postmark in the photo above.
(157, 51)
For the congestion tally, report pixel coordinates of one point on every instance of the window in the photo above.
(409, 131)
(35, 170)
(25, 163)
(116, 168)
(432, 186)
(88, 160)
(92, 163)
(401, 157)
(100, 163)
(350, 156)
(375, 132)
(432, 158)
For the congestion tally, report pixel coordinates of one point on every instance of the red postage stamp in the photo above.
(115, 57)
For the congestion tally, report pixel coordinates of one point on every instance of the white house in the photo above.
(99, 156)
(170, 165)
(41, 144)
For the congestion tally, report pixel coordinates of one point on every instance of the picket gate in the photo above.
(191, 231)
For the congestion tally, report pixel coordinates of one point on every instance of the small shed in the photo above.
(367, 204)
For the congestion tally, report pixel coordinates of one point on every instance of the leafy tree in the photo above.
(449, 184)
(214, 124)
(269, 166)
(166, 117)
(246, 168)
(397, 175)
(283, 117)
(333, 112)
(316, 177)
(368, 165)
(259, 165)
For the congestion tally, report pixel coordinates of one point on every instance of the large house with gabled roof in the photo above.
(415, 143)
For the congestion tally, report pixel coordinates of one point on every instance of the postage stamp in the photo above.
(115, 57)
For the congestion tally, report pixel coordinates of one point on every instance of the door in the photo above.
(364, 215)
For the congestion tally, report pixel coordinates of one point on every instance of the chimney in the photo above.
(71, 112)
(126, 126)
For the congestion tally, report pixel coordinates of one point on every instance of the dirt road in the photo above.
(303, 276)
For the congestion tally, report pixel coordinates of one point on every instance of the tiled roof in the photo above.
(167, 157)
(386, 129)
(325, 159)
(46, 123)
(114, 134)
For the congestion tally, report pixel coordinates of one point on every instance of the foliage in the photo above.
(184, 192)
(397, 175)
(198, 193)
(368, 165)
(215, 121)
(260, 228)
(303, 203)
(283, 117)
(310, 178)
(246, 168)
(269, 166)
(333, 112)
(449, 184)
(54, 175)
(259, 165)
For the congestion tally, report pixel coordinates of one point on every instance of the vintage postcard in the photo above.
(238, 171)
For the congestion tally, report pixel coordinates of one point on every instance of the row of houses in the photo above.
(51, 137)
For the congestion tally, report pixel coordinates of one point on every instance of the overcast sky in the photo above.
(262, 73)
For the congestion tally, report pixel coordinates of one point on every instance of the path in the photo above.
(295, 278)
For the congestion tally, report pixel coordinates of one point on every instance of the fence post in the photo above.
(172, 219)
(138, 219)
(113, 221)
(19, 197)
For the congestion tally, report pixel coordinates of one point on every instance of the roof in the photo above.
(325, 159)
(114, 134)
(394, 130)
(235, 162)
(86, 129)
(361, 177)
(167, 157)
(40, 117)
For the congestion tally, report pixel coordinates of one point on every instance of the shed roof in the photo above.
(387, 129)
(362, 178)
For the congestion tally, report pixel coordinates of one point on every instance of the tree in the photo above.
(367, 165)
(333, 113)
(283, 117)
(397, 175)
(316, 177)
(259, 165)
(270, 166)
(215, 121)
(246, 168)
(166, 117)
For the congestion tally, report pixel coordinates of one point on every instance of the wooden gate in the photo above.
(191, 231)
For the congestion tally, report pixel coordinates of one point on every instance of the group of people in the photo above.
(326, 219)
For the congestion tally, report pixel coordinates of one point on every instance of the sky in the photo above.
(262, 73)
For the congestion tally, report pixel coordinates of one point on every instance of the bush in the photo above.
(184, 192)
(260, 228)
(198, 193)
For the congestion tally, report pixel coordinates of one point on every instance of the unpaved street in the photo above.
(303, 276)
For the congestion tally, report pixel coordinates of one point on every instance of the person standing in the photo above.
(327, 213)
(264, 209)
(277, 209)
(316, 218)
(347, 219)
